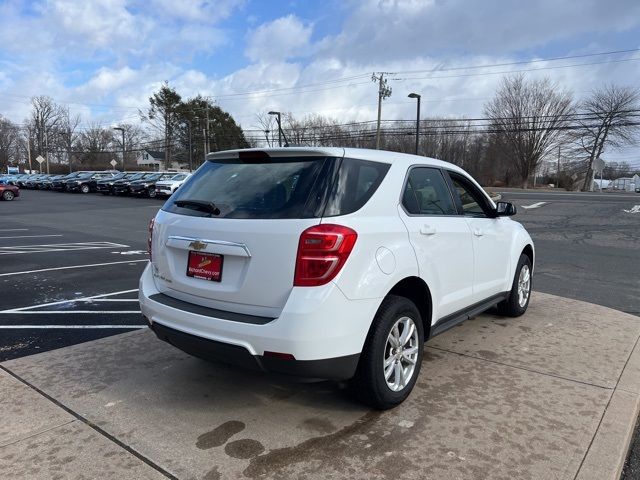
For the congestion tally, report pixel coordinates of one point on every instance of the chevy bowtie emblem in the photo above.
(198, 245)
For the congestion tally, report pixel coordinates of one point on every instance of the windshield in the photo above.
(180, 176)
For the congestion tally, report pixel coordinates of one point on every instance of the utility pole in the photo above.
(558, 175)
(384, 91)
(188, 122)
(121, 131)
(417, 97)
(29, 151)
(206, 149)
(46, 149)
(204, 143)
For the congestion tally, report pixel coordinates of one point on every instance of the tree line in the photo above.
(531, 128)
(170, 125)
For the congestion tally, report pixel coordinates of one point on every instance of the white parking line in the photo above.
(30, 236)
(70, 267)
(67, 312)
(58, 247)
(113, 300)
(15, 229)
(81, 299)
(534, 205)
(34, 327)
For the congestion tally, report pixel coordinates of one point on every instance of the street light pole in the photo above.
(416, 96)
(122, 131)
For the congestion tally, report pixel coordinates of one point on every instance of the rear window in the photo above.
(284, 187)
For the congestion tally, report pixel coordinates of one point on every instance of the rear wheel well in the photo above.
(416, 290)
(528, 251)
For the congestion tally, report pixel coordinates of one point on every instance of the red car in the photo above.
(8, 192)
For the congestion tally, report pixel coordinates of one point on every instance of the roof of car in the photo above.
(382, 156)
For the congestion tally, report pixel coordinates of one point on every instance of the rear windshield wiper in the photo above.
(200, 205)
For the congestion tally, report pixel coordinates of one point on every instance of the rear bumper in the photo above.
(340, 368)
(319, 326)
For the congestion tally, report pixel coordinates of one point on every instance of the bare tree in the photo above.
(609, 119)
(9, 143)
(530, 116)
(69, 136)
(46, 117)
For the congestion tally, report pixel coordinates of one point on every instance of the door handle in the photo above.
(427, 230)
(478, 233)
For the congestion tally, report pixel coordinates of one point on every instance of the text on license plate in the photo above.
(207, 266)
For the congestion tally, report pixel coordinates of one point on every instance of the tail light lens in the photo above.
(322, 252)
(150, 238)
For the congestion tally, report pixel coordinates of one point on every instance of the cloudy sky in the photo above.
(104, 58)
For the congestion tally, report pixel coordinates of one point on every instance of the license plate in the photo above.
(206, 266)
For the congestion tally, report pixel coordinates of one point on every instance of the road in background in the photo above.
(586, 245)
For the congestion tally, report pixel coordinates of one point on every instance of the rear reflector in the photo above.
(322, 252)
(280, 355)
(150, 238)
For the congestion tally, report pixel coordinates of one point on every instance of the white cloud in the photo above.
(283, 38)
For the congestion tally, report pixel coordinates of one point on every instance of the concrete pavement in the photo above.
(551, 395)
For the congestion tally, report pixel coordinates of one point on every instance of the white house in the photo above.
(148, 158)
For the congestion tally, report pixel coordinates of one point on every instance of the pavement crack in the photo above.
(546, 374)
(93, 426)
(37, 433)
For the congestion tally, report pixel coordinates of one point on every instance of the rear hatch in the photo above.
(240, 216)
(249, 209)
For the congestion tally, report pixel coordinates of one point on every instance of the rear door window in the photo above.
(426, 193)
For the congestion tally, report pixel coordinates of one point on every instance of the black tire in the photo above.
(369, 384)
(151, 192)
(8, 195)
(511, 307)
(85, 188)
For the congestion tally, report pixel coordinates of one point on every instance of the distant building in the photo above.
(601, 184)
(150, 158)
(628, 184)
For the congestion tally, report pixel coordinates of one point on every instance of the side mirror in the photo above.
(505, 209)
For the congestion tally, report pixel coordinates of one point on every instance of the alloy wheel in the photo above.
(524, 286)
(400, 354)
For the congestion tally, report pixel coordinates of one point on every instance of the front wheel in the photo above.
(8, 195)
(84, 188)
(390, 361)
(151, 192)
(518, 300)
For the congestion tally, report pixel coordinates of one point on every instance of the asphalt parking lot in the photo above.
(69, 264)
(69, 268)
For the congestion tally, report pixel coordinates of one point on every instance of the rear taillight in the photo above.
(150, 238)
(322, 252)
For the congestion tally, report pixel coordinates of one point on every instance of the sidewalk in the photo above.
(551, 395)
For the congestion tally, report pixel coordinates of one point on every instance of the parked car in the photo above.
(330, 263)
(105, 186)
(46, 183)
(165, 188)
(86, 182)
(121, 187)
(146, 187)
(59, 184)
(8, 191)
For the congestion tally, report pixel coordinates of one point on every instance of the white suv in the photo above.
(330, 263)
(168, 187)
